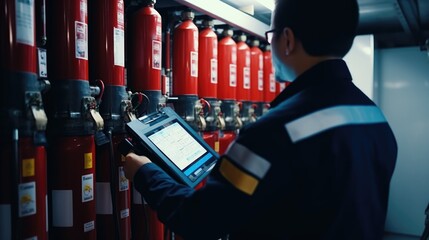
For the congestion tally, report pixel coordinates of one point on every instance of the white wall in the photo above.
(402, 92)
(360, 60)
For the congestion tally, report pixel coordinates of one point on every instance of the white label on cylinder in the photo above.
(167, 86)
(62, 208)
(125, 213)
(156, 54)
(247, 58)
(89, 226)
(234, 54)
(213, 71)
(27, 199)
(103, 201)
(123, 181)
(120, 14)
(119, 47)
(272, 83)
(232, 75)
(246, 78)
(6, 225)
(81, 40)
(83, 9)
(260, 80)
(196, 39)
(87, 187)
(194, 64)
(282, 86)
(43, 68)
(158, 30)
(215, 49)
(261, 62)
(24, 20)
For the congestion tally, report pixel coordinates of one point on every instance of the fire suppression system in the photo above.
(269, 79)
(227, 76)
(243, 80)
(107, 50)
(23, 185)
(145, 55)
(74, 123)
(185, 72)
(144, 75)
(207, 83)
(256, 78)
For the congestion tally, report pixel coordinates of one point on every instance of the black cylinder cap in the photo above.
(188, 15)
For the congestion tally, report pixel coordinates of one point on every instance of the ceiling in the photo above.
(394, 23)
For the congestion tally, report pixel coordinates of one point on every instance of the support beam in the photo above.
(228, 14)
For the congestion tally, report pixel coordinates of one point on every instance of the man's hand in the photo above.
(132, 163)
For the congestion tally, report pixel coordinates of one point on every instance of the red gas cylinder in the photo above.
(207, 61)
(72, 186)
(145, 49)
(69, 31)
(227, 66)
(212, 139)
(18, 46)
(256, 72)
(243, 69)
(71, 156)
(104, 186)
(269, 80)
(145, 220)
(185, 56)
(107, 31)
(107, 61)
(226, 138)
(32, 191)
(23, 192)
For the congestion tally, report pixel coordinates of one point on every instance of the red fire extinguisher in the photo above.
(30, 213)
(145, 54)
(243, 79)
(207, 61)
(185, 56)
(207, 83)
(256, 77)
(227, 69)
(185, 72)
(243, 69)
(269, 80)
(74, 121)
(23, 186)
(108, 61)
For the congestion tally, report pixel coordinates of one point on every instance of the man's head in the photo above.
(314, 28)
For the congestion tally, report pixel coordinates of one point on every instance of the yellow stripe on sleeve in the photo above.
(241, 180)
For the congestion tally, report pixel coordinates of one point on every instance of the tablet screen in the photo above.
(177, 144)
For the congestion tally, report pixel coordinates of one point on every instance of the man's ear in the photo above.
(289, 38)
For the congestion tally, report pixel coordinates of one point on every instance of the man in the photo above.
(316, 166)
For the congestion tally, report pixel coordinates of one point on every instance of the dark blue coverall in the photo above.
(317, 165)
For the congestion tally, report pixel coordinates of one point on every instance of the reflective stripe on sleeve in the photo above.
(325, 119)
(248, 160)
(237, 177)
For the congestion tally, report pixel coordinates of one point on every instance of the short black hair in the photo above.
(324, 27)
